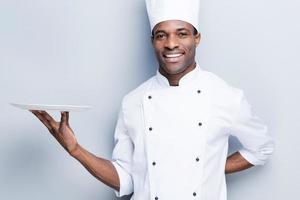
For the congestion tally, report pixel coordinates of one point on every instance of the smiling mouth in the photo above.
(174, 57)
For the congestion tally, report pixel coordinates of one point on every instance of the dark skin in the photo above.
(175, 44)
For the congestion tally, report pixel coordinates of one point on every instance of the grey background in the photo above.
(94, 52)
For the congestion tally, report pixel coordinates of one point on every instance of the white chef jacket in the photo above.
(171, 142)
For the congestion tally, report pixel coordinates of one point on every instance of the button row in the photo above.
(197, 160)
(151, 129)
(150, 97)
(194, 194)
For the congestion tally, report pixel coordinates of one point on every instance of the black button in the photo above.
(150, 128)
(194, 194)
(156, 198)
(154, 163)
(198, 91)
(197, 159)
(200, 124)
(149, 97)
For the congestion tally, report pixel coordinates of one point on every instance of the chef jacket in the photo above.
(171, 142)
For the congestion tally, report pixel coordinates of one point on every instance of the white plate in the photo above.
(50, 107)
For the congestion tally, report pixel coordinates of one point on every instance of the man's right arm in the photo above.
(100, 168)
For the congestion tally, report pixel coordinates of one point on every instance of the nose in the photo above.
(171, 42)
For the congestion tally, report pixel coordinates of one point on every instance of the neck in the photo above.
(175, 78)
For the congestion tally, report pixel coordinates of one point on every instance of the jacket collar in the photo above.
(185, 80)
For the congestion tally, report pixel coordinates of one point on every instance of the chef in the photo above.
(171, 138)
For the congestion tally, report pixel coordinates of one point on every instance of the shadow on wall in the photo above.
(125, 197)
(25, 158)
(27, 163)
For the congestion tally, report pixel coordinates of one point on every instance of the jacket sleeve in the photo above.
(122, 157)
(253, 134)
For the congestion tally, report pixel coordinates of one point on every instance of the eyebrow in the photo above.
(158, 31)
(177, 30)
(182, 29)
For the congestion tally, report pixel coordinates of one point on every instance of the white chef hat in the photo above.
(184, 10)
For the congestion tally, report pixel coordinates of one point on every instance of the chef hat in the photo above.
(184, 10)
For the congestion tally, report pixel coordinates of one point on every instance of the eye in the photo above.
(182, 34)
(160, 36)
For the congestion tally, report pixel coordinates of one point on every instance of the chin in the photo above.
(174, 68)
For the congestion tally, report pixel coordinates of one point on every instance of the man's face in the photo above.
(175, 45)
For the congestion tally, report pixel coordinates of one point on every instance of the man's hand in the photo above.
(60, 130)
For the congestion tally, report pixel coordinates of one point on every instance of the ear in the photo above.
(197, 38)
(152, 39)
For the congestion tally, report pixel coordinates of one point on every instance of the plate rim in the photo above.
(59, 107)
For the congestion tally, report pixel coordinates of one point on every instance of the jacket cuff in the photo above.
(126, 185)
(251, 158)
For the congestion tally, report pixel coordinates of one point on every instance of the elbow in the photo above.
(265, 152)
(260, 155)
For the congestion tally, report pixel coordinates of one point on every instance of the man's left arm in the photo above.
(253, 134)
(236, 162)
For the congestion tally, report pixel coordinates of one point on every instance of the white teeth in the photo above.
(173, 55)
